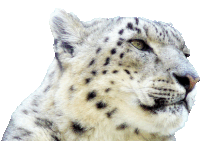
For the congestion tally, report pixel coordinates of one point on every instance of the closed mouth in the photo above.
(160, 106)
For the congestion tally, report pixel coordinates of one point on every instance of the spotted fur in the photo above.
(100, 87)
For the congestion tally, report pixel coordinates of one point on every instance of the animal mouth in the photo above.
(160, 105)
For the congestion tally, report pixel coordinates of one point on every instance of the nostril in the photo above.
(184, 81)
(188, 81)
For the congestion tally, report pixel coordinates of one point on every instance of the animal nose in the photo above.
(187, 81)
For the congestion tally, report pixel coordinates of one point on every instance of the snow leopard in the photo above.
(116, 79)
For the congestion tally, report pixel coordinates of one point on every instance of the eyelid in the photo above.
(146, 46)
(186, 51)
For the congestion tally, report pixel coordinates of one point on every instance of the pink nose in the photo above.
(193, 81)
(187, 81)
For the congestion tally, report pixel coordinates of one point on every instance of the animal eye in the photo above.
(139, 44)
(187, 55)
(186, 51)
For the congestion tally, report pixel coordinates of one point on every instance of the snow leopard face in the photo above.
(131, 69)
(119, 79)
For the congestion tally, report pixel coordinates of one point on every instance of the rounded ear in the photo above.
(67, 30)
(64, 25)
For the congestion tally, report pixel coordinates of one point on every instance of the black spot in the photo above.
(119, 19)
(92, 62)
(104, 72)
(35, 111)
(121, 55)
(107, 61)
(122, 126)
(127, 71)
(98, 50)
(121, 31)
(137, 131)
(156, 29)
(115, 71)
(55, 42)
(55, 138)
(87, 80)
(113, 51)
(106, 39)
(25, 112)
(129, 26)
(44, 123)
(119, 43)
(136, 20)
(120, 64)
(16, 137)
(46, 89)
(101, 105)
(138, 30)
(78, 128)
(112, 82)
(59, 62)
(94, 72)
(24, 132)
(121, 39)
(91, 95)
(35, 103)
(71, 88)
(146, 30)
(107, 90)
(157, 60)
(109, 114)
(69, 48)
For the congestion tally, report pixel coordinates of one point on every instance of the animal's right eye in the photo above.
(139, 44)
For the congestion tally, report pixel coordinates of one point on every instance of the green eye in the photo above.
(139, 44)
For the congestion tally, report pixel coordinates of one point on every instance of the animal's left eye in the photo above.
(139, 44)
(187, 55)
(186, 51)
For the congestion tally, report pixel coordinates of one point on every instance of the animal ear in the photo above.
(67, 31)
